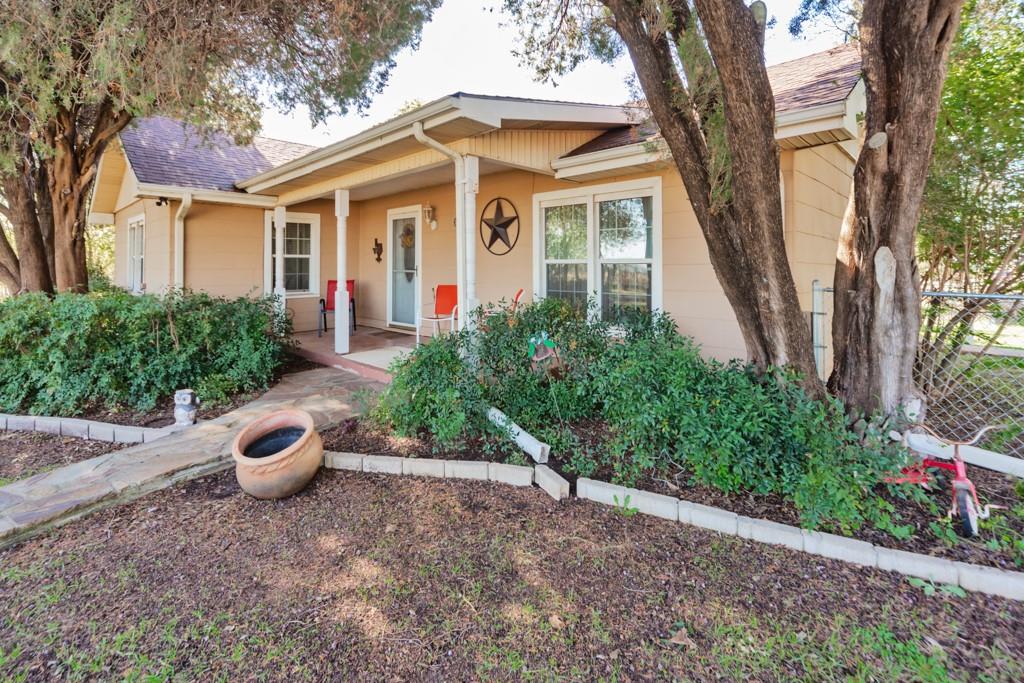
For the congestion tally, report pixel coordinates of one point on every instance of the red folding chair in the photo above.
(327, 305)
(446, 307)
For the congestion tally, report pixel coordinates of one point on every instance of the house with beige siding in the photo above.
(489, 193)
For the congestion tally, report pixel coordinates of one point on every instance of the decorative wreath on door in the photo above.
(408, 238)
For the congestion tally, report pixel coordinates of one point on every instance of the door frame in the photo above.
(415, 212)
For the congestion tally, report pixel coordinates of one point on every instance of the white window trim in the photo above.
(416, 212)
(590, 195)
(314, 253)
(130, 266)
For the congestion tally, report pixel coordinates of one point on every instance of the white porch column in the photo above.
(472, 187)
(460, 243)
(280, 220)
(341, 315)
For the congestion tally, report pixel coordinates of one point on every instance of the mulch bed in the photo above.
(359, 436)
(369, 577)
(163, 414)
(24, 454)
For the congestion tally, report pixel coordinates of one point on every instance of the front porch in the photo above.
(371, 350)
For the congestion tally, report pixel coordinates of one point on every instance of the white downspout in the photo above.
(472, 187)
(460, 214)
(179, 240)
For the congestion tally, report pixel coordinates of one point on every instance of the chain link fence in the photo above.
(970, 363)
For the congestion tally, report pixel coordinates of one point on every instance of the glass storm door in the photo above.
(404, 270)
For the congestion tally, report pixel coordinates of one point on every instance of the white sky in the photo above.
(466, 48)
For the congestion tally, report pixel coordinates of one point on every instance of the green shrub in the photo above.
(64, 354)
(738, 431)
(434, 391)
(663, 406)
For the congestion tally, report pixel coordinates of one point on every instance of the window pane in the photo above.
(625, 287)
(565, 232)
(296, 273)
(568, 281)
(625, 228)
(297, 239)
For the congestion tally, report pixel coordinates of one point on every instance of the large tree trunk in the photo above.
(32, 270)
(876, 323)
(744, 232)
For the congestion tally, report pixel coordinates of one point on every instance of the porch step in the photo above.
(334, 360)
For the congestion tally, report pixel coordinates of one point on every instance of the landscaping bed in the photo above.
(369, 577)
(25, 454)
(1000, 543)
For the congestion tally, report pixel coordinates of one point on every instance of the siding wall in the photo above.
(224, 245)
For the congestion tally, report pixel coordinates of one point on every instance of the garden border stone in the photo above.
(382, 464)
(937, 569)
(551, 482)
(766, 531)
(423, 467)
(513, 475)
(343, 461)
(466, 469)
(83, 429)
(840, 548)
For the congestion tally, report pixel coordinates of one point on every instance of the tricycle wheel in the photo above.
(968, 512)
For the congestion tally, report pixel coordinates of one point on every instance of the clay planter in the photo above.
(278, 454)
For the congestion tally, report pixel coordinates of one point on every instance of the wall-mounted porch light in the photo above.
(428, 216)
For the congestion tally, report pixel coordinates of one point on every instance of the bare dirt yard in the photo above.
(24, 454)
(368, 577)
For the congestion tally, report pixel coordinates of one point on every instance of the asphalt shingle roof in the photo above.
(818, 79)
(164, 151)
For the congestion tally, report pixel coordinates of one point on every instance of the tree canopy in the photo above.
(73, 74)
(972, 224)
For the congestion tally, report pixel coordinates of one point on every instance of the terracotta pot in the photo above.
(278, 454)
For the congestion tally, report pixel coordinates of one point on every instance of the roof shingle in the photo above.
(817, 79)
(164, 151)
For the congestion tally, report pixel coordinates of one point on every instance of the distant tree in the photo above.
(971, 233)
(74, 74)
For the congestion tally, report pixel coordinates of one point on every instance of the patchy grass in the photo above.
(368, 577)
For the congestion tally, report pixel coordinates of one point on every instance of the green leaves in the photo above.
(63, 355)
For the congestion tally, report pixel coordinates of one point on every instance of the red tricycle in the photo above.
(965, 505)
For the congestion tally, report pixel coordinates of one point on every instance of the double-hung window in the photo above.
(601, 242)
(301, 254)
(136, 253)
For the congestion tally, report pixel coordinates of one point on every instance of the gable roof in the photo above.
(816, 80)
(164, 151)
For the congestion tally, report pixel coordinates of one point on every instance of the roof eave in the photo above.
(487, 111)
(156, 191)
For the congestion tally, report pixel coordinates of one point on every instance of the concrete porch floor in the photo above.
(371, 350)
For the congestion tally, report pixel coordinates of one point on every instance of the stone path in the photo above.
(32, 505)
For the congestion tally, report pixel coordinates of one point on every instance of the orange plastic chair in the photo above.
(446, 307)
(327, 305)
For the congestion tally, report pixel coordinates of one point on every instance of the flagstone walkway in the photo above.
(51, 498)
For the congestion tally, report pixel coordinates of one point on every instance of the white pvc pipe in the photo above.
(179, 240)
(536, 449)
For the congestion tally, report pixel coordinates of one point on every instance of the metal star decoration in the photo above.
(500, 225)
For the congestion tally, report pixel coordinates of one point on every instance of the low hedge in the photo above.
(62, 355)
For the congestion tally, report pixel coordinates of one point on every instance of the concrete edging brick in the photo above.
(466, 469)
(382, 464)
(423, 467)
(513, 475)
(551, 482)
(82, 429)
(343, 461)
(766, 531)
